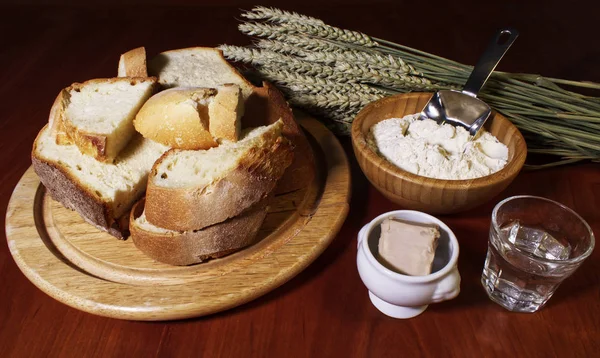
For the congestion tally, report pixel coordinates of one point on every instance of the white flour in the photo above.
(443, 152)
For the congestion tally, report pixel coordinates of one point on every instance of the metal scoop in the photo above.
(463, 108)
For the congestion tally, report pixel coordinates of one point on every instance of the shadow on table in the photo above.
(470, 265)
(343, 241)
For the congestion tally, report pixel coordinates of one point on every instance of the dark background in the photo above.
(47, 45)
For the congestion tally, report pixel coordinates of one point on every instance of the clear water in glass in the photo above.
(534, 244)
(516, 279)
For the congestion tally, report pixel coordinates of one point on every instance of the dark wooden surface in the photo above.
(324, 311)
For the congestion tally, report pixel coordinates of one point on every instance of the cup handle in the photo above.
(448, 288)
(361, 235)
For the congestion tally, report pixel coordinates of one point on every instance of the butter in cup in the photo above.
(403, 296)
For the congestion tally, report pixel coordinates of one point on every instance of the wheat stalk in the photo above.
(333, 72)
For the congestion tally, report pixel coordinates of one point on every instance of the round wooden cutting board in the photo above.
(90, 270)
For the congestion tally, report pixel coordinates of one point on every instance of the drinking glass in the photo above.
(534, 244)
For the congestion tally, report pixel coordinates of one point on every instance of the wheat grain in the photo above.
(330, 33)
(314, 71)
(306, 24)
(385, 76)
(308, 84)
(262, 30)
(356, 88)
(337, 54)
(264, 57)
(277, 15)
(277, 36)
(312, 44)
(335, 100)
(267, 58)
(324, 32)
(281, 47)
(362, 57)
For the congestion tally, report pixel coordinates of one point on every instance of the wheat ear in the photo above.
(307, 43)
(321, 31)
(267, 58)
(277, 15)
(282, 47)
(335, 100)
(313, 85)
(384, 77)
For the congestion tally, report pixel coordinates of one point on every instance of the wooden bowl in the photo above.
(438, 196)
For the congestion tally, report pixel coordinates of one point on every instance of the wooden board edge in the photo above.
(151, 313)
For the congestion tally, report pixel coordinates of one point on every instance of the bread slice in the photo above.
(133, 63)
(99, 115)
(177, 117)
(189, 190)
(57, 115)
(192, 117)
(267, 105)
(196, 67)
(225, 112)
(100, 192)
(194, 246)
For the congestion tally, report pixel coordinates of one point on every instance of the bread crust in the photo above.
(56, 117)
(73, 195)
(190, 247)
(88, 143)
(94, 144)
(133, 63)
(192, 208)
(174, 118)
(225, 113)
(266, 106)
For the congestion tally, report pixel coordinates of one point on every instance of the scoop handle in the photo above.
(489, 60)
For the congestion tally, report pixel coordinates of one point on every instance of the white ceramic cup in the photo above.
(403, 296)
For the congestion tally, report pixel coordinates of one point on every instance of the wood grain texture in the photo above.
(434, 196)
(88, 269)
(325, 310)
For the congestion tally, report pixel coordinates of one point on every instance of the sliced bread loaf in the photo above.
(194, 246)
(133, 63)
(206, 67)
(100, 192)
(196, 67)
(189, 190)
(99, 114)
(192, 117)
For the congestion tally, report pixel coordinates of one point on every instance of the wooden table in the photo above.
(325, 310)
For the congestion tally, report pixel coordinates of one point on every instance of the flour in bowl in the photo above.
(438, 151)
